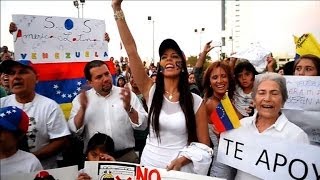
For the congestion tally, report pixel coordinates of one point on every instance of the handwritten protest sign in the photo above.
(303, 104)
(67, 173)
(256, 55)
(267, 157)
(304, 93)
(128, 171)
(59, 48)
(44, 39)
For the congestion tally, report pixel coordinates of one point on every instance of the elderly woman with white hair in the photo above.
(269, 95)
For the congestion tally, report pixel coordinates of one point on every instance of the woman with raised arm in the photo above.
(178, 123)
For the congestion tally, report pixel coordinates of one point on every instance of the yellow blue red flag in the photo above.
(224, 117)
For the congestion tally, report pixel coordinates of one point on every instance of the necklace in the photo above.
(170, 94)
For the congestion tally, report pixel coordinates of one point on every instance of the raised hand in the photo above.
(207, 48)
(106, 37)
(12, 27)
(83, 97)
(270, 64)
(126, 97)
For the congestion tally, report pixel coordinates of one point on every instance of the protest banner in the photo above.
(128, 171)
(303, 105)
(65, 173)
(45, 39)
(268, 158)
(59, 48)
(256, 55)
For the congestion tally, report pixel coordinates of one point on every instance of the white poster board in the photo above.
(268, 158)
(64, 173)
(119, 170)
(255, 54)
(303, 104)
(44, 39)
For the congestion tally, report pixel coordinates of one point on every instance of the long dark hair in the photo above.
(185, 101)
(208, 91)
(101, 141)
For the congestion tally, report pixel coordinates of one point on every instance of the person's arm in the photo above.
(202, 125)
(176, 164)
(79, 117)
(232, 64)
(57, 131)
(270, 64)
(202, 56)
(125, 96)
(138, 116)
(143, 82)
(52, 148)
(198, 68)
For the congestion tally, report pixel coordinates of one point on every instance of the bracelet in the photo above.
(118, 15)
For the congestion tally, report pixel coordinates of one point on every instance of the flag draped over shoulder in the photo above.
(306, 44)
(224, 117)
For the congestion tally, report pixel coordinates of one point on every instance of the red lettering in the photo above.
(156, 172)
(140, 175)
(145, 175)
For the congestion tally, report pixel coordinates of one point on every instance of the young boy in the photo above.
(100, 148)
(14, 124)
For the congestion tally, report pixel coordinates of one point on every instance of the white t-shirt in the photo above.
(46, 121)
(20, 162)
(107, 115)
(173, 133)
(282, 129)
(241, 100)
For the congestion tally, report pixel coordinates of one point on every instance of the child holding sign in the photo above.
(100, 148)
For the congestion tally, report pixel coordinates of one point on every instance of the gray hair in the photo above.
(279, 79)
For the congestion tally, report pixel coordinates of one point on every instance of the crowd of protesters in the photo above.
(155, 116)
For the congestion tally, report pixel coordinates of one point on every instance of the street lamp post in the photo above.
(150, 19)
(231, 38)
(76, 4)
(82, 3)
(200, 32)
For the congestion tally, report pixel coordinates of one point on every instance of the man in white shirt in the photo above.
(108, 109)
(48, 129)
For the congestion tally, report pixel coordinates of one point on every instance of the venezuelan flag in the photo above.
(224, 117)
(306, 44)
(62, 81)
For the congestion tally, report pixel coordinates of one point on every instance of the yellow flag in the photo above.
(307, 44)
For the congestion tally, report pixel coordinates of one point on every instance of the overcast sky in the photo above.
(270, 23)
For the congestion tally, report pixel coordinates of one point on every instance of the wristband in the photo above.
(118, 15)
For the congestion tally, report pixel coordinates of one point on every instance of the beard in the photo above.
(105, 89)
